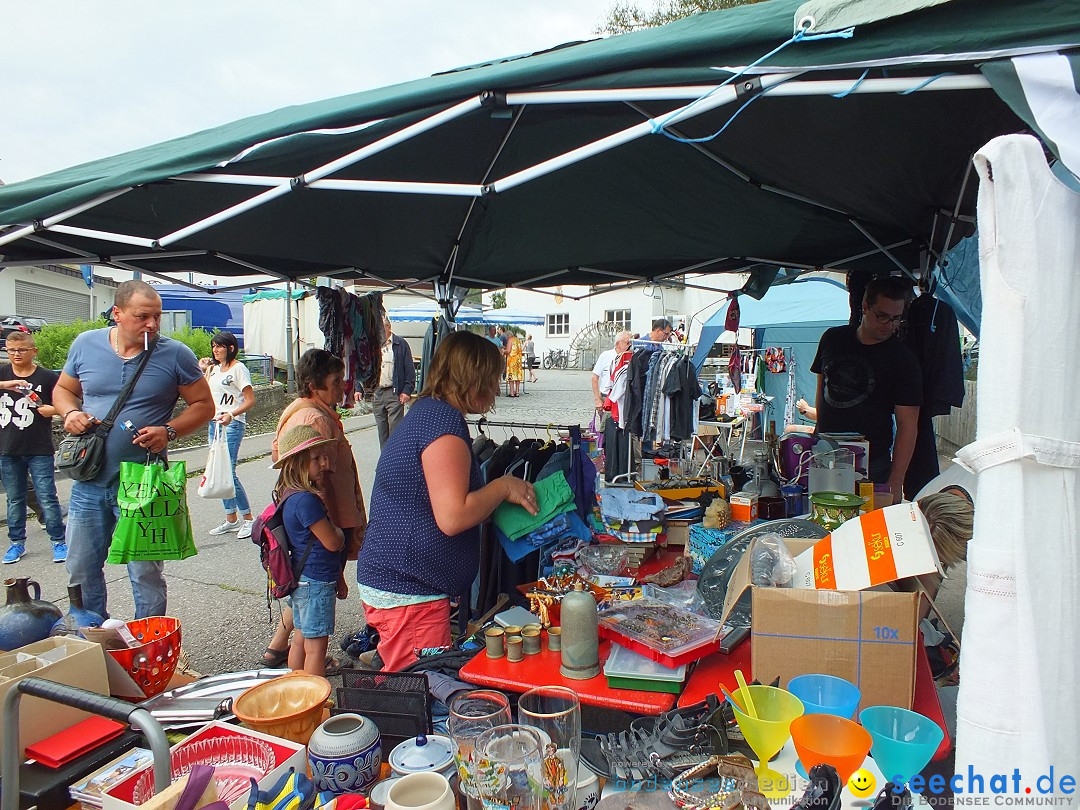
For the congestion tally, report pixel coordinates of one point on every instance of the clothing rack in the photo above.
(484, 422)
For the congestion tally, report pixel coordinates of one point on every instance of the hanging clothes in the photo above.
(933, 334)
(352, 327)
(1019, 700)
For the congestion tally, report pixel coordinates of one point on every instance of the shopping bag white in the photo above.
(217, 478)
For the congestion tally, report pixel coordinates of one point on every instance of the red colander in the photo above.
(151, 664)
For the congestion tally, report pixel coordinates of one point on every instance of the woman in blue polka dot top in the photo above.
(422, 544)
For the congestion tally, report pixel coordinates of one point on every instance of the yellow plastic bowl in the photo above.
(289, 707)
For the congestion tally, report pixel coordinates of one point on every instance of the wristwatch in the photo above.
(170, 431)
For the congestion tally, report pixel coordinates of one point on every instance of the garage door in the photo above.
(55, 306)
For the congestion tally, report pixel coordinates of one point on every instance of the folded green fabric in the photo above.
(553, 497)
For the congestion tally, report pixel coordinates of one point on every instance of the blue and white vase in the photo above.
(345, 754)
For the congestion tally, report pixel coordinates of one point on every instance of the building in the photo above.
(54, 293)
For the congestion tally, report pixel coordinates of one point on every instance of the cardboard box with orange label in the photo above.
(879, 547)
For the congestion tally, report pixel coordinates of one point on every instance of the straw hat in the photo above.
(296, 440)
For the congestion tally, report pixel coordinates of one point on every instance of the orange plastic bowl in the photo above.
(289, 707)
(837, 741)
(152, 664)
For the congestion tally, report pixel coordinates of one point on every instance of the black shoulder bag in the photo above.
(82, 456)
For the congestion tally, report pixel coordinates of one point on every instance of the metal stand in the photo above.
(89, 702)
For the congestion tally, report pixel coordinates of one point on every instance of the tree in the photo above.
(498, 299)
(626, 15)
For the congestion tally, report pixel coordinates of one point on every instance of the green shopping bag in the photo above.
(154, 521)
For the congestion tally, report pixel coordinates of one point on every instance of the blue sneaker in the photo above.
(14, 553)
(59, 552)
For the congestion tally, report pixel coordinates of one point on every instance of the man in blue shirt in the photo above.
(98, 364)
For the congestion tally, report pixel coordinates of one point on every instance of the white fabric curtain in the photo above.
(1019, 700)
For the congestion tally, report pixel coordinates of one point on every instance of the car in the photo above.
(18, 323)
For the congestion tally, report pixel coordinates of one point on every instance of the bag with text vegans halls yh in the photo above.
(154, 520)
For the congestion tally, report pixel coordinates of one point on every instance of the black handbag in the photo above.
(83, 456)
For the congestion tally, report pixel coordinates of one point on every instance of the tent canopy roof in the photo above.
(433, 180)
(808, 302)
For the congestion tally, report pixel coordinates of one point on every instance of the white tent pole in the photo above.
(883, 249)
(385, 186)
(87, 233)
(48, 222)
(307, 178)
(290, 371)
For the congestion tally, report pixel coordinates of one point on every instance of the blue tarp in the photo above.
(792, 316)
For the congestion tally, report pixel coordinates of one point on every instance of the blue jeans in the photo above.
(313, 603)
(234, 434)
(14, 470)
(92, 516)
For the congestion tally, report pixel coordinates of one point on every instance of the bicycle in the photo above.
(556, 358)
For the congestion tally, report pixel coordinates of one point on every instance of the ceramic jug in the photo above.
(77, 616)
(24, 620)
(345, 753)
(580, 635)
(421, 791)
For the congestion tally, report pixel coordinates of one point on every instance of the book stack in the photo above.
(626, 669)
(89, 791)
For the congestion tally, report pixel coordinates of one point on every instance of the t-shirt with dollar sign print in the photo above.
(23, 430)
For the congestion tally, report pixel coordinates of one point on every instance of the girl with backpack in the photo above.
(315, 544)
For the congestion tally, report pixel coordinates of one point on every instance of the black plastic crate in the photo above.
(398, 703)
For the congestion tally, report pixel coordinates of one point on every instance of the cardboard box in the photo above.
(69, 661)
(286, 755)
(866, 637)
(744, 508)
(873, 549)
(678, 532)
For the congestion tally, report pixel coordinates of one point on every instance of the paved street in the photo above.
(219, 595)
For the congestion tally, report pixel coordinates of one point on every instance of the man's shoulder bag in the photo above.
(83, 456)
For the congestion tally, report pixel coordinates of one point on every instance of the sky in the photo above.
(87, 79)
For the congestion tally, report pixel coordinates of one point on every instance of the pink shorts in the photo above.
(404, 630)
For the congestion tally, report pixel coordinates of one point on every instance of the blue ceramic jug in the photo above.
(77, 616)
(24, 620)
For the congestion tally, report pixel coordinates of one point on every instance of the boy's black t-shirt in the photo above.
(24, 431)
(863, 384)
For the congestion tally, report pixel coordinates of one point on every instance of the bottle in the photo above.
(77, 616)
(580, 635)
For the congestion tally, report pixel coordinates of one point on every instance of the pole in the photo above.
(290, 371)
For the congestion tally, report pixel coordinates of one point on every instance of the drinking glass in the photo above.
(471, 714)
(767, 733)
(507, 773)
(554, 711)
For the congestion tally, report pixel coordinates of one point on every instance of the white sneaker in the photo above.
(227, 527)
(245, 530)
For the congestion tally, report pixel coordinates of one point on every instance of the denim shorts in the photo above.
(313, 605)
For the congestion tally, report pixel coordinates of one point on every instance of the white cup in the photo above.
(588, 789)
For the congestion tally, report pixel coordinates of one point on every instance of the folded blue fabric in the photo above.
(624, 503)
(563, 527)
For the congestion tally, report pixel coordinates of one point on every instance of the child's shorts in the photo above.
(313, 607)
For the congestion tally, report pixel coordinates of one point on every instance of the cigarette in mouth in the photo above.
(145, 340)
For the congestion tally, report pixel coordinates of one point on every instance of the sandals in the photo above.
(276, 659)
(332, 667)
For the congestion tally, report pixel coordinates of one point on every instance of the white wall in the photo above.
(676, 304)
(102, 294)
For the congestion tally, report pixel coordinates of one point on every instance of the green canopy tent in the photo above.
(575, 165)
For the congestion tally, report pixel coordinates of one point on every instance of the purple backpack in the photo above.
(268, 533)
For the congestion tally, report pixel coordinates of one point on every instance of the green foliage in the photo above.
(198, 340)
(498, 299)
(54, 340)
(626, 15)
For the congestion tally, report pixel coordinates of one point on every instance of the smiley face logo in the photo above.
(862, 783)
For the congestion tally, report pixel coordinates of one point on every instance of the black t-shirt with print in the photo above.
(24, 431)
(863, 384)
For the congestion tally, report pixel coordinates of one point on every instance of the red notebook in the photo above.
(71, 743)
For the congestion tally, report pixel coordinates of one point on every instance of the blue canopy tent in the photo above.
(512, 317)
(422, 313)
(791, 316)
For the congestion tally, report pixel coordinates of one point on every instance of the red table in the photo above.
(542, 669)
(716, 669)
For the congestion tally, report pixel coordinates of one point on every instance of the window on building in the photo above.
(558, 325)
(619, 317)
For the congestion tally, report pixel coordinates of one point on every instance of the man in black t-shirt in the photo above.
(866, 377)
(26, 445)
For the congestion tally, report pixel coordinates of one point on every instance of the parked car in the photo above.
(18, 323)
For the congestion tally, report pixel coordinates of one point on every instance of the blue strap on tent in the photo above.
(921, 85)
(854, 87)
(799, 36)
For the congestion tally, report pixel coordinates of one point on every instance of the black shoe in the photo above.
(889, 799)
(823, 792)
